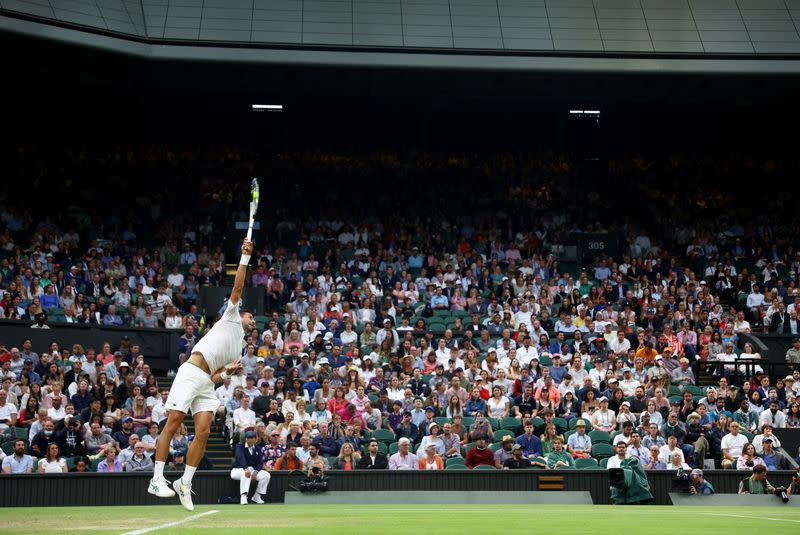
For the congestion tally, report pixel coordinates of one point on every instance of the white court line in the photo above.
(755, 517)
(169, 524)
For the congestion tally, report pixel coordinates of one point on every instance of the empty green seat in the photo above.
(599, 436)
(583, 464)
(602, 450)
(484, 467)
(384, 435)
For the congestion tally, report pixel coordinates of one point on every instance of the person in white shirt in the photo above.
(676, 462)
(8, 412)
(57, 412)
(526, 352)
(773, 417)
(731, 445)
(620, 345)
(158, 413)
(622, 453)
(244, 417)
(755, 300)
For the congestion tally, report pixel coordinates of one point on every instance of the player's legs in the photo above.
(202, 428)
(158, 485)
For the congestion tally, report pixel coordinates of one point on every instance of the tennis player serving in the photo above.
(215, 357)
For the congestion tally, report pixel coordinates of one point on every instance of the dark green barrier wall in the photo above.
(131, 489)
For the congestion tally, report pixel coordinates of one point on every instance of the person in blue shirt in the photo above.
(475, 403)
(531, 444)
(557, 371)
(439, 301)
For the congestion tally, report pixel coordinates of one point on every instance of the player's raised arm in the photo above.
(241, 272)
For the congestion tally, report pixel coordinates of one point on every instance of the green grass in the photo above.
(397, 519)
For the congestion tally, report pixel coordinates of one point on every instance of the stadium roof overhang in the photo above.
(577, 62)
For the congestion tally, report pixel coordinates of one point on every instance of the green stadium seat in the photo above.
(561, 424)
(484, 467)
(454, 461)
(467, 421)
(496, 446)
(511, 423)
(95, 464)
(500, 433)
(602, 450)
(675, 391)
(468, 446)
(22, 432)
(437, 328)
(441, 420)
(70, 464)
(142, 432)
(545, 360)
(456, 467)
(599, 436)
(35, 464)
(384, 435)
(441, 313)
(332, 461)
(673, 399)
(750, 436)
(604, 462)
(584, 464)
(494, 422)
(537, 422)
(695, 390)
(568, 434)
(393, 447)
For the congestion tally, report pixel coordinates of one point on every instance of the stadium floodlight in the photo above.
(576, 112)
(591, 112)
(267, 107)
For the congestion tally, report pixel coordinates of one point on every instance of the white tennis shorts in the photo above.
(192, 390)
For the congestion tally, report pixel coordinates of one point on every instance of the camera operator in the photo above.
(699, 484)
(316, 480)
(757, 483)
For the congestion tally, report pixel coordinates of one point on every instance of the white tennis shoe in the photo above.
(160, 488)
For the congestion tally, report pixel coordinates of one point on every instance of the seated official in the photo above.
(700, 486)
(249, 467)
(757, 483)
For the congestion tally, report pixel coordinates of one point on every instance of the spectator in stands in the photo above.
(430, 460)
(110, 463)
(44, 437)
(347, 458)
(373, 459)
(249, 466)
(18, 462)
(732, 445)
(748, 458)
(774, 460)
(621, 450)
(479, 454)
(8, 412)
(289, 460)
(531, 444)
(96, 440)
(123, 435)
(140, 461)
(579, 443)
(559, 457)
(403, 459)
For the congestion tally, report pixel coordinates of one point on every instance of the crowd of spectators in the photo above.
(434, 330)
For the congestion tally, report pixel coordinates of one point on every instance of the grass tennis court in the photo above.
(390, 519)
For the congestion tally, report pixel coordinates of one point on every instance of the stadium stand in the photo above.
(484, 299)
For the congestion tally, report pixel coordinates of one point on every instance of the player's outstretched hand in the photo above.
(247, 247)
(233, 366)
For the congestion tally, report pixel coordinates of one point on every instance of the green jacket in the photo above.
(635, 487)
(565, 457)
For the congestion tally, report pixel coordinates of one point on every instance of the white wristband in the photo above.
(224, 375)
(245, 260)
